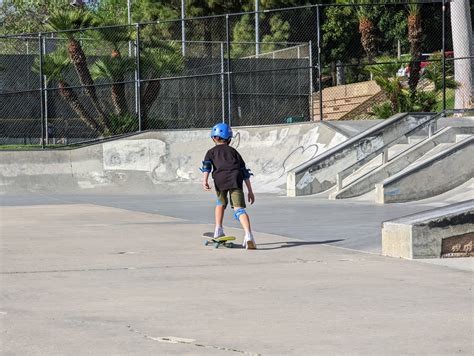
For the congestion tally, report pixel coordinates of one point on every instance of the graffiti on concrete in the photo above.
(368, 146)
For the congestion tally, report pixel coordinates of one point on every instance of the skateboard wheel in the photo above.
(216, 245)
(206, 243)
(230, 245)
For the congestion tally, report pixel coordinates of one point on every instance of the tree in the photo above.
(114, 70)
(243, 31)
(54, 66)
(415, 37)
(75, 20)
(116, 67)
(157, 61)
(397, 90)
(385, 76)
(340, 38)
(367, 31)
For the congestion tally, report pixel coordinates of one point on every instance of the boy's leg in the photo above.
(244, 220)
(221, 204)
(238, 203)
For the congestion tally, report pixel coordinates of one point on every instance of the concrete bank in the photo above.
(163, 161)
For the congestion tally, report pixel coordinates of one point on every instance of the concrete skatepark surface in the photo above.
(90, 270)
(84, 279)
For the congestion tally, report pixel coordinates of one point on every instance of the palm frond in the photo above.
(162, 61)
(116, 36)
(113, 69)
(54, 65)
(75, 19)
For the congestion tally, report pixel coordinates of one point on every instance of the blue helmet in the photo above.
(221, 130)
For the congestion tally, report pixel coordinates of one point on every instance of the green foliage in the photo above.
(75, 19)
(243, 31)
(400, 98)
(279, 32)
(161, 60)
(393, 26)
(423, 101)
(54, 65)
(339, 34)
(26, 16)
(121, 124)
(382, 111)
(116, 37)
(433, 72)
(113, 69)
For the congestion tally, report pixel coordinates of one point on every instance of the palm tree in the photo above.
(415, 37)
(114, 69)
(116, 37)
(157, 61)
(54, 66)
(384, 75)
(66, 20)
(367, 32)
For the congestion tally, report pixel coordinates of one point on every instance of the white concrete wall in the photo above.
(163, 161)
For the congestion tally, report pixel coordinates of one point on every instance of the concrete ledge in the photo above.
(421, 235)
(439, 174)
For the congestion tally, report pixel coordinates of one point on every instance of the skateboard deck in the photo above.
(218, 241)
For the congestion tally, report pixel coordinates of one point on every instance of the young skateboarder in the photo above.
(229, 172)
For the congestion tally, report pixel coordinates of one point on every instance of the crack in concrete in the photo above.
(192, 342)
(298, 260)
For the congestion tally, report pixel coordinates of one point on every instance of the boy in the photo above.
(229, 172)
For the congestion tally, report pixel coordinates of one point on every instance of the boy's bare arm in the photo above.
(205, 181)
(250, 191)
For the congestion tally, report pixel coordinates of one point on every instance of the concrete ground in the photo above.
(91, 275)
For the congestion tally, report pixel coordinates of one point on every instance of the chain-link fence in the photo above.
(321, 62)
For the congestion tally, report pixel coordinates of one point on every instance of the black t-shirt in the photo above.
(227, 167)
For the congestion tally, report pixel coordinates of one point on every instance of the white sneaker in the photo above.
(249, 242)
(219, 232)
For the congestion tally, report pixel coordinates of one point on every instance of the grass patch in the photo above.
(450, 95)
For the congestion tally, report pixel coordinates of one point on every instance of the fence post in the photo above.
(222, 82)
(443, 51)
(320, 74)
(310, 54)
(40, 48)
(257, 28)
(229, 94)
(183, 29)
(138, 91)
(45, 86)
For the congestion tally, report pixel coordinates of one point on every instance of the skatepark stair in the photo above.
(348, 101)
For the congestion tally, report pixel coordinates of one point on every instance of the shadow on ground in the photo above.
(294, 244)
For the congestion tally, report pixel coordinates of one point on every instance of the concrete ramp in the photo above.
(435, 175)
(163, 161)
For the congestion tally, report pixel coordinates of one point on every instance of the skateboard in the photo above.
(218, 241)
